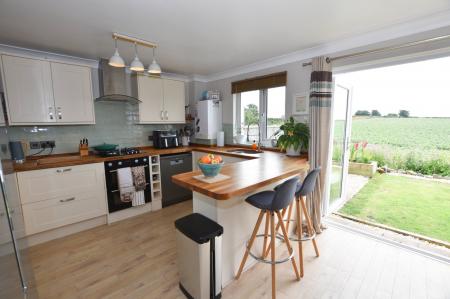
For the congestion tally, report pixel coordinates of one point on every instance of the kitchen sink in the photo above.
(244, 151)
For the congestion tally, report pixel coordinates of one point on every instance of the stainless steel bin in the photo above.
(199, 250)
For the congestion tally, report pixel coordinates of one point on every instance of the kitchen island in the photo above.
(224, 201)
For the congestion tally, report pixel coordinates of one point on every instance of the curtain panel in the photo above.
(321, 94)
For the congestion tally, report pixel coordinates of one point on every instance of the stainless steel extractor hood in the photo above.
(115, 84)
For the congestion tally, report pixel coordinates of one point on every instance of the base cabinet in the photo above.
(49, 214)
(55, 197)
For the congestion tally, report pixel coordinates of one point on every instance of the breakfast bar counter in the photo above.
(224, 201)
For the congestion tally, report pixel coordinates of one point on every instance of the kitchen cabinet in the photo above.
(44, 92)
(174, 101)
(55, 197)
(163, 100)
(28, 90)
(72, 91)
(15, 210)
(150, 92)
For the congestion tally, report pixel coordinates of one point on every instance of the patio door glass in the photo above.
(340, 148)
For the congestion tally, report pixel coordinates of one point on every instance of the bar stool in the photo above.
(271, 203)
(304, 189)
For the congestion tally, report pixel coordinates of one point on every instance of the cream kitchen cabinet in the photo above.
(72, 91)
(163, 100)
(28, 90)
(55, 197)
(44, 92)
(15, 210)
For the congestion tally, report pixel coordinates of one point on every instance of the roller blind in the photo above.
(261, 82)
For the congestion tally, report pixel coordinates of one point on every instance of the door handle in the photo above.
(63, 170)
(67, 199)
(176, 162)
(167, 115)
(162, 114)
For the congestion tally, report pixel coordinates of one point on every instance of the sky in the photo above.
(422, 87)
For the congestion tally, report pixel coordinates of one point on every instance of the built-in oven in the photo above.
(112, 185)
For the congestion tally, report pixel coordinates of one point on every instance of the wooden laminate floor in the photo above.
(136, 258)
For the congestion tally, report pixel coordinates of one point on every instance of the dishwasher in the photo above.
(172, 165)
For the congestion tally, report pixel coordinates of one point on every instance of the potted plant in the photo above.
(295, 137)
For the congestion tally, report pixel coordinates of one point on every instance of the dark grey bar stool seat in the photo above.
(271, 203)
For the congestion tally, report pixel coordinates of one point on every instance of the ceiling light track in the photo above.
(136, 65)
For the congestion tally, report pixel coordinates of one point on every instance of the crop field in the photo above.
(419, 144)
(407, 133)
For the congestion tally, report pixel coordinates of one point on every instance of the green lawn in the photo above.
(415, 205)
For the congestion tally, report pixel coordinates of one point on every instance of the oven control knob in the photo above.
(136, 161)
(109, 164)
(145, 159)
(119, 163)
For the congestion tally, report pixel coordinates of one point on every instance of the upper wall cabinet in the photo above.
(43, 92)
(72, 90)
(163, 100)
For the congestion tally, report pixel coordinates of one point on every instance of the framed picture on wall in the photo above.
(301, 104)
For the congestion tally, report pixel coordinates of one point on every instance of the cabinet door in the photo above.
(150, 91)
(28, 89)
(174, 101)
(72, 90)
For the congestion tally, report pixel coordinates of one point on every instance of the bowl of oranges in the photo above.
(210, 165)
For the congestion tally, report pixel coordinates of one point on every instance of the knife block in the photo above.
(84, 150)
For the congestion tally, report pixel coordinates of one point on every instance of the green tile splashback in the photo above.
(115, 123)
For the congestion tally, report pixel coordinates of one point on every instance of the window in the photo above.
(259, 114)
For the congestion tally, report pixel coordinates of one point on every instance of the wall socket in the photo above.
(42, 144)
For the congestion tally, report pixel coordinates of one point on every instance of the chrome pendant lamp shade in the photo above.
(136, 64)
(116, 60)
(154, 67)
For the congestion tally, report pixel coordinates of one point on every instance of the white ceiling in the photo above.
(199, 36)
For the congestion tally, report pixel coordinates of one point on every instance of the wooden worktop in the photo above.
(71, 159)
(246, 176)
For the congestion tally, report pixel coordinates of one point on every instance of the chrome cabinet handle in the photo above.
(58, 111)
(50, 112)
(63, 170)
(167, 115)
(67, 199)
(162, 114)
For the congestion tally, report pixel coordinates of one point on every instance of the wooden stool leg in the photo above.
(266, 234)
(266, 253)
(299, 235)
(288, 244)
(309, 224)
(272, 253)
(289, 216)
(250, 243)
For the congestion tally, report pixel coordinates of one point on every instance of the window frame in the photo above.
(263, 106)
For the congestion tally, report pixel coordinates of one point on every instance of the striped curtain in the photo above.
(321, 93)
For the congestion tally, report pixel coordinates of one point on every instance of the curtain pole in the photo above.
(379, 50)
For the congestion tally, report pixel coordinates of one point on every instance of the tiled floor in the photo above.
(136, 258)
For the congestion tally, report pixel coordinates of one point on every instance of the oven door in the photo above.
(112, 183)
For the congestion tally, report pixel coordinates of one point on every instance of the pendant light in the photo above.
(116, 60)
(136, 64)
(154, 68)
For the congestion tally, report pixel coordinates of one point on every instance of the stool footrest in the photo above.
(263, 260)
(306, 236)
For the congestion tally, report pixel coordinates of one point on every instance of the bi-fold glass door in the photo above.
(341, 131)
